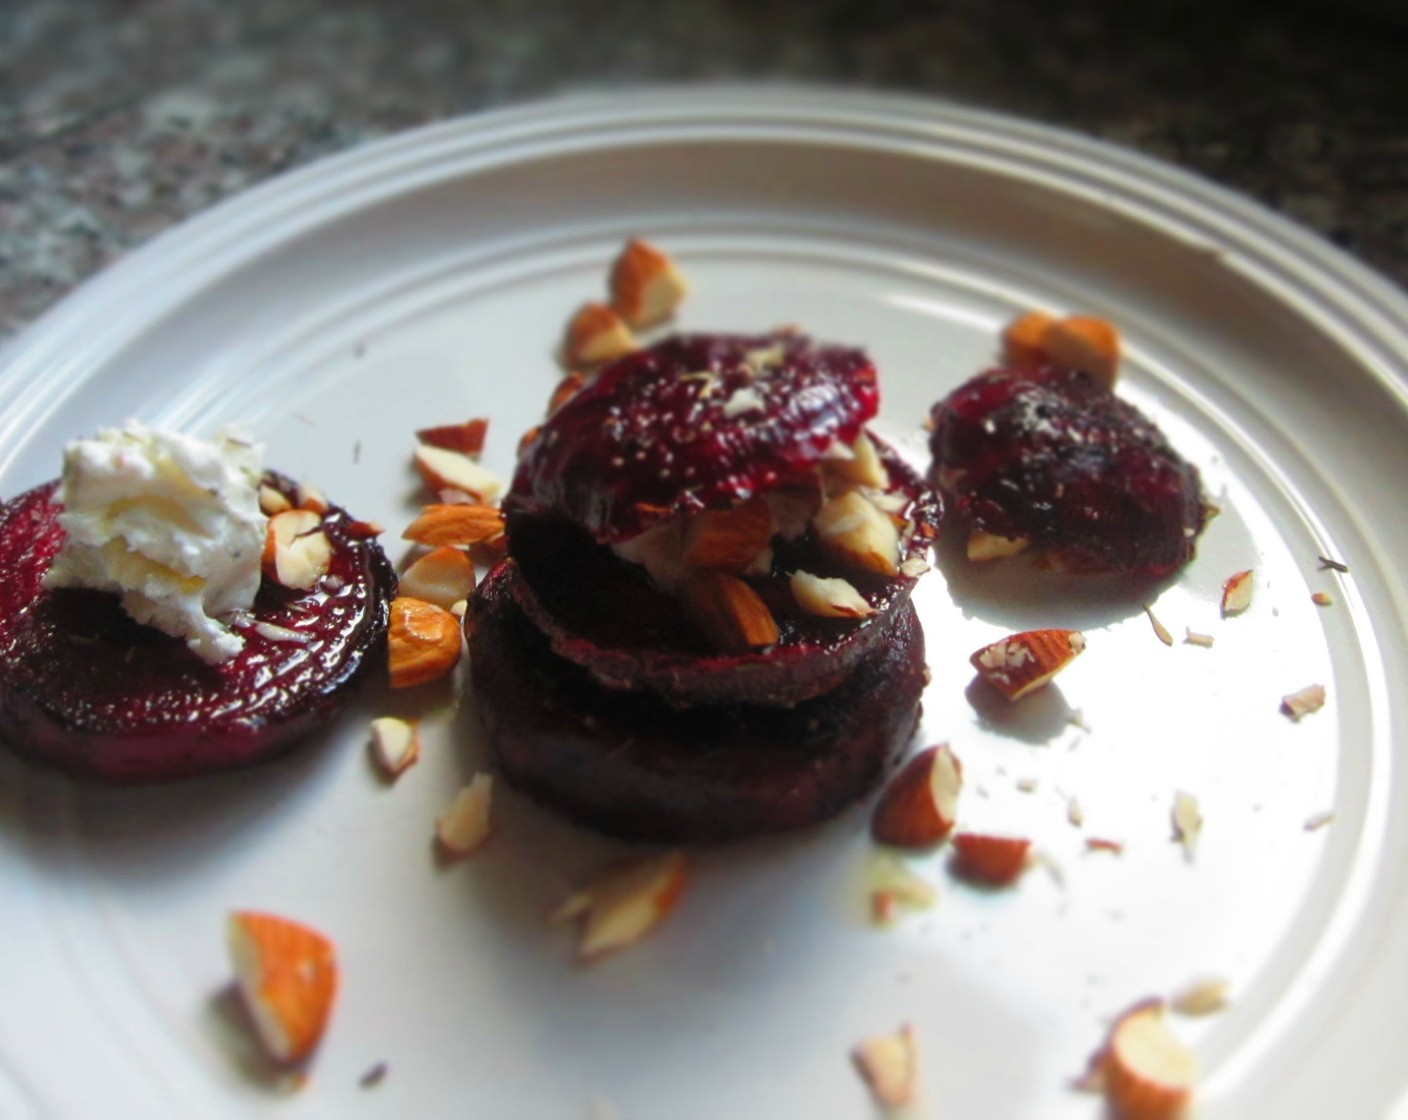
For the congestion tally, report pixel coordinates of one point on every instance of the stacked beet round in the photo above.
(702, 630)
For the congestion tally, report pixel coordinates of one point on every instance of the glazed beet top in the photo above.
(695, 422)
(1053, 456)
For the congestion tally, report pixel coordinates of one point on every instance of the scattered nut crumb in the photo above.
(1160, 630)
(1027, 785)
(1193, 638)
(1322, 599)
(1318, 821)
(1074, 813)
(1309, 699)
(1101, 844)
(1187, 822)
(1204, 996)
(1237, 593)
(890, 1066)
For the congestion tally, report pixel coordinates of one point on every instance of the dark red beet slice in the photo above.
(1052, 455)
(662, 431)
(605, 614)
(84, 687)
(632, 766)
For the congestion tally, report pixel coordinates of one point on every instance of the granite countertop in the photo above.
(119, 118)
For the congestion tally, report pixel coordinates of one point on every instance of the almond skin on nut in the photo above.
(423, 642)
(997, 861)
(728, 612)
(458, 525)
(1024, 339)
(596, 334)
(728, 539)
(920, 805)
(1022, 663)
(466, 438)
(1086, 343)
(625, 902)
(1147, 1071)
(288, 976)
(646, 285)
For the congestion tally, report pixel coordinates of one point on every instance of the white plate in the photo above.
(424, 280)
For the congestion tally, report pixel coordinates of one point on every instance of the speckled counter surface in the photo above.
(119, 118)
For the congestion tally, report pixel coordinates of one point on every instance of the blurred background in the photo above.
(119, 118)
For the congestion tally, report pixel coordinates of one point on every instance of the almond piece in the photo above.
(465, 825)
(728, 539)
(828, 598)
(889, 1064)
(864, 468)
(1309, 699)
(660, 550)
(395, 744)
(1237, 593)
(856, 533)
(297, 553)
(423, 643)
(310, 497)
(596, 334)
(983, 547)
(442, 576)
(1149, 1074)
(1022, 663)
(1101, 844)
(793, 508)
(451, 470)
(459, 525)
(566, 389)
(1187, 822)
(646, 285)
(728, 612)
(997, 861)
(1024, 339)
(625, 903)
(287, 974)
(272, 501)
(1160, 630)
(1204, 996)
(920, 805)
(1086, 343)
(466, 438)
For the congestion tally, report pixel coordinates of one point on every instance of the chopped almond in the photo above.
(423, 643)
(1204, 996)
(793, 508)
(443, 576)
(466, 438)
(297, 553)
(310, 497)
(1022, 663)
(728, 612)
(395, 744)
(1160, 630)
(920, 805)
(273, 501)
(625, 903)
(451, 470)
(1187, 822)
(995, 860)
(459, 525)
(646, 285)
(288, 976)
(983, 547)
(1309, 699)
(889, 1064)
(1237, 593)
(1086, 343)
(596, 334)
(728, 539)
(1148, 1073)
(892, 875)
(864, 468)
(1322, 599)
(566, 389)
(1192, 638)
(1024, 339)
(1101, 844)
(829, 598)
(854, 531)
(465, 825)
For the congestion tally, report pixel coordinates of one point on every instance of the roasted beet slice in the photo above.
(695, 422)
(84, 687)
(632, 766)
(605, 614)
(1052, 456)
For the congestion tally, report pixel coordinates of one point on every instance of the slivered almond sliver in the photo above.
(646, 285)
(625, 903)
(466, 824)
(443, 576)
(459, 525)
(596, 334)
(829, 598)
(1303, 702)
(889, 1064)
(1022, 663)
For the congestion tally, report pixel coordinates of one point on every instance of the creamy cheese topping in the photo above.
(171, 524)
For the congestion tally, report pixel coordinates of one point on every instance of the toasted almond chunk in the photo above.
(1237, 593)
(793, 508)
(646, 285)
(596, 334)
(1149, 1074)
(273, 501)
(466, 438)
(395, 744)
(1303, 702)
(1086, 343)
(864, 468)
(1187, 822)
(287, 974)
(443, 576)
(889, 1064)
(451, 470)
(1206, 995)
(459, 525)
(1024, 339)
(983, 547)
(566, 389)
(625, 903)
(920, 805)
(728, 539)
(914, 567)
(297, 553)
(829, 598)
(1022, 663)
(728, 612)
(995, 860)
(310, 497)
(465, 825)
(423, 643)
(851, 529)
